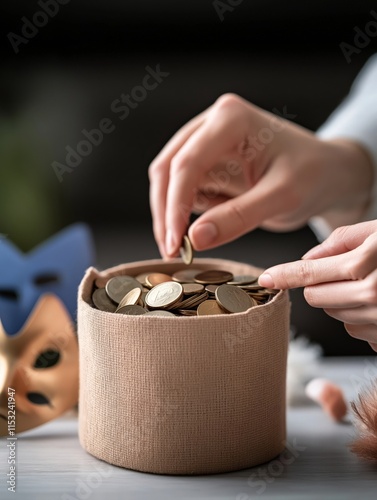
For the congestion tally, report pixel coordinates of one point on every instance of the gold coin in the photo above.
(102, 301)
(119, 286)
(164, 295)
(213, 277)
(192, 288)
(159, 312)
(130, 299)
(186, 251)
(154, 279)
(243, 279)
(209, 307)
(131, 310)
(186, 275)
(233, 299)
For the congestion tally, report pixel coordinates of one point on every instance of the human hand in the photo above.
(245, 167)
(340, 276)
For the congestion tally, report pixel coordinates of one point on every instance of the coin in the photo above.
(187, 312)
(102, 301)
(191, 301)
(213, 277)
(154, 279)
(186, 251)
(181, 294)
(141, 277)
(119, 286)
(131, 310)
(243, 279)
(252, 286)
(186, 275)
(159, 312)
(211, 289)
(192, 288)
(233, 299)
(131, 298)
(209, 307)
(164, 295)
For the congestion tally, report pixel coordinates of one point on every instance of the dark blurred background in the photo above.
(65, 78)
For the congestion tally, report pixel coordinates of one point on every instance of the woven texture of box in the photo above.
(183, 395)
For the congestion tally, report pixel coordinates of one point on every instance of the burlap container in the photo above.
(183, 395)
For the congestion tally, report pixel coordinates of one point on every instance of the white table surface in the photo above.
(52, 465)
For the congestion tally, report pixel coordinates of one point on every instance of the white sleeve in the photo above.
(355, 119)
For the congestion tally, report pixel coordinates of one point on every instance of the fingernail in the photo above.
(266, 280)
(204, 235)
(170, 243)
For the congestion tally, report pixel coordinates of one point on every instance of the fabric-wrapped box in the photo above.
(182, 395)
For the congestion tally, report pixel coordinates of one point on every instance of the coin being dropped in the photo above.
(102, 301)
(186, 251)
(213, 277)
(233, 299)
(159, 312)
(164, 295)
(186, 275)
(119, 286)
(154, 279)
(131, 310)
(209, 307)
(131, 298)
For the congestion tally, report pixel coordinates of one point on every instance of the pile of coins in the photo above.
(187, 292)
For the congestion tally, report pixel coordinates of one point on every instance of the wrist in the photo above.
(352, 174)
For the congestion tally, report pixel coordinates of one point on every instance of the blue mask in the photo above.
(56, 266)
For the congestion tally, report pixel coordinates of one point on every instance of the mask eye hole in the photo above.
(46, 279)
(8, 294)
(37, 398)
(47, 359)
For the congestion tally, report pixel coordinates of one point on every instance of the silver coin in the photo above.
(131, 298)
(119, 286)
(186, 251)
(164, 295)
(102, 301)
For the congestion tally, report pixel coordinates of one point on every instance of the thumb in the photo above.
(233, 218)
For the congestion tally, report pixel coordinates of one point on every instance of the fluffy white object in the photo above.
(302, 367)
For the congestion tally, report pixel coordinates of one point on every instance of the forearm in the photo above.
(353, 127)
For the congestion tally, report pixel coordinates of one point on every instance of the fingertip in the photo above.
(266, 280)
